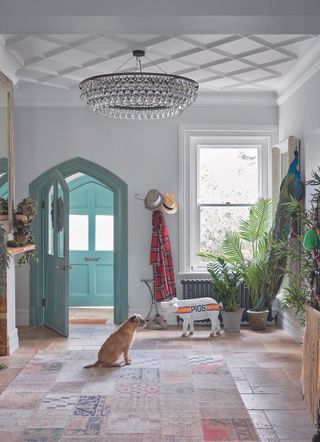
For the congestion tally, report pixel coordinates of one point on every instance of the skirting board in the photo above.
(13, 341)
(288, 322)
(22, 316)
(169, 317)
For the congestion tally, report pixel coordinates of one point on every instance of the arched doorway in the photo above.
(38, 285)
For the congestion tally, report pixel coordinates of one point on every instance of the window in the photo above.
(78, 232)
(104, 232)
(227, 186)
(222, 174)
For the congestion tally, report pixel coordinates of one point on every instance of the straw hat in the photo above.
(169, 204)
(153, 200)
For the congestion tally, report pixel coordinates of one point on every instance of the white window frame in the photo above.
(190, 138)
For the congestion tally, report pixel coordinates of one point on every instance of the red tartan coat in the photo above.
(161, 259)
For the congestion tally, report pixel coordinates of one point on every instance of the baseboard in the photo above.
(13, 341)
(287, 321)
(22, 316)
(169, 317)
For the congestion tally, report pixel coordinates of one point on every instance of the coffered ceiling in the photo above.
(217, 62)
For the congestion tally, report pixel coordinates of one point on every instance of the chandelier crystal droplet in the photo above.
(138, 95)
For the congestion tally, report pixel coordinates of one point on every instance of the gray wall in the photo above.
(299, 116)
(143, 154)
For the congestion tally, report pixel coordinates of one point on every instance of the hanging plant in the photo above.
(4, 260)
(26, 210)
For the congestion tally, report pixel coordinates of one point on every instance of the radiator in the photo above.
(202, 288)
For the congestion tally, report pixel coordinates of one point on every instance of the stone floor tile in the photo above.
(291, 424)
(259, 419)
(270, 402)
(243, 387)
(267, 376)
(267, 435)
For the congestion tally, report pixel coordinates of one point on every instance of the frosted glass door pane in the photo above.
(104, 232)
(51, 216)
(78, 232)
(60, 221)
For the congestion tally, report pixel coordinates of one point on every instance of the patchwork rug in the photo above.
(166, 395)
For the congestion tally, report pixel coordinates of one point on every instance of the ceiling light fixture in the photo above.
(138, 95)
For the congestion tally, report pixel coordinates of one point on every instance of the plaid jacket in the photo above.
(161, 259)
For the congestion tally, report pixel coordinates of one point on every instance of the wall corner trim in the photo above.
(307, 66)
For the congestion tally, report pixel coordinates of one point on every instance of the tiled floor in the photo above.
(265, 366)
(90, 315)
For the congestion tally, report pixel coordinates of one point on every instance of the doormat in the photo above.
(87, 321)
(165, 395)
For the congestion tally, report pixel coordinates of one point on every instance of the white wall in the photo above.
(299, 116)
(143, 154)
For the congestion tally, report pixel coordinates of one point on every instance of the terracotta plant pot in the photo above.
(232, 321)
(21, 238)
(258, 320)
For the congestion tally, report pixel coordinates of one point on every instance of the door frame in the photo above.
(120, 191)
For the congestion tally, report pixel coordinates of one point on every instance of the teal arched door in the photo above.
(39, 297)
(91, 245)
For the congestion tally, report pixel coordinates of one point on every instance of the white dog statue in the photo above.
(195, 309)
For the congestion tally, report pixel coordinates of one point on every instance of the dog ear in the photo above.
(134, 318)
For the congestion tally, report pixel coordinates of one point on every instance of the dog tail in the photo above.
(96, 364)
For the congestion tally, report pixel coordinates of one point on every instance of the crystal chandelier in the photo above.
(138, 95)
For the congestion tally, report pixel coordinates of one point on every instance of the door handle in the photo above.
(63, 267)
(88, 258)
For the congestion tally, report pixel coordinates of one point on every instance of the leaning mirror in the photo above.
(6, 151)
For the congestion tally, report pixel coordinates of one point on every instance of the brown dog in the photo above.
(118, 343)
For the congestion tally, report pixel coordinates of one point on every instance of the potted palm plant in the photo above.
(247, 249)
(226, 283)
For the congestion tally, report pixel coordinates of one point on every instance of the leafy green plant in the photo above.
(3, 206)
(301, 285)
(246, 250)
(4, 260)
(27, 207)
(3, 366)
(26, 257)
(226, 282)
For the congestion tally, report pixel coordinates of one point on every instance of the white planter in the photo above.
(232, 321)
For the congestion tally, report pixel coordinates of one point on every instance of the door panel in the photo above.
(56, 254)
(91, 243)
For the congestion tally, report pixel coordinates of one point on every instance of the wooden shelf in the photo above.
(19, 250)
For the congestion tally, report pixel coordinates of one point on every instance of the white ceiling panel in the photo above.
(216, 61)
(240, 46)
(232, 66)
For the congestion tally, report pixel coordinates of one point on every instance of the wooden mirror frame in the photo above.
(7, 84)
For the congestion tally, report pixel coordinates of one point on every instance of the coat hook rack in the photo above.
(138, 197)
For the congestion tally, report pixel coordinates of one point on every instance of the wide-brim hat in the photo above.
(153, 200)
(169, 204)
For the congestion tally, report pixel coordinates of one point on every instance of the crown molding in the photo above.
(208, 98)
(8, 65)
(305, 68)
(40, 96)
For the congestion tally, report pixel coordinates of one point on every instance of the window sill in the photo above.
(195, 274)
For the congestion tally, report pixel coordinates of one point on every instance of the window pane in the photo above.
(104, 232)
(228, 175)
(51, 221)
(215, 221)
(60, 221)
(78, 232)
